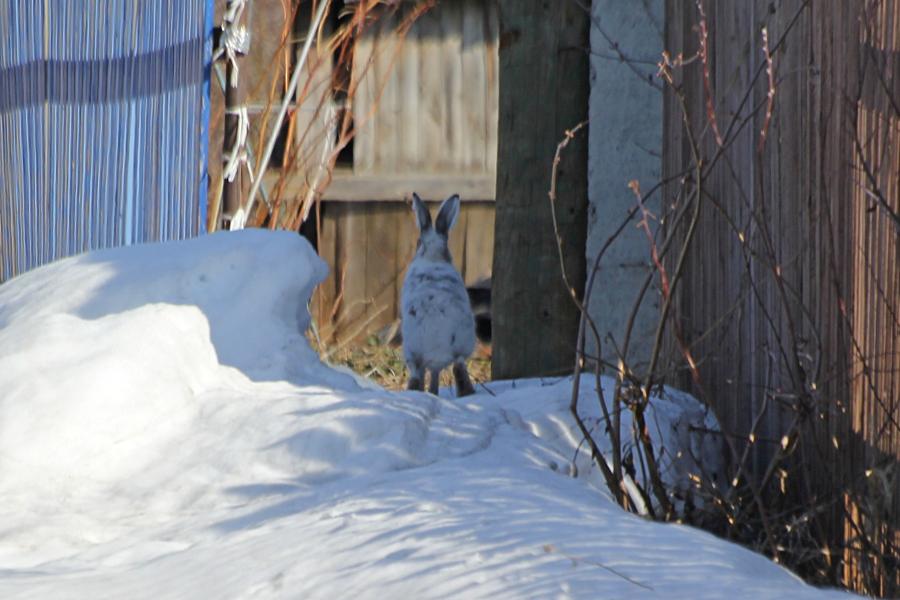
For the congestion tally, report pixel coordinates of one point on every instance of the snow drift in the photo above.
(167, 432)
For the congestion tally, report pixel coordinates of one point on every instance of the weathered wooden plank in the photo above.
(456, 133)
(410, 156)
(326, 292)
(474, 88)
(479, 243)
(364, 103)
(382, 269)
(432, 115)
(388, 123)
(350, 187)
(428, 102)
(351, 267)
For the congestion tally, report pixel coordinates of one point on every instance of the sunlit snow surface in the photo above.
(166, 432)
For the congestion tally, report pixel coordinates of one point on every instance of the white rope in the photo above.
(240, 217)
(234, 10)
(238, 153)
(235, 38)
(235, 42)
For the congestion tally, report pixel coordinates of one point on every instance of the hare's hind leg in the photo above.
(416, 377)
(461, 376)
(435, 384)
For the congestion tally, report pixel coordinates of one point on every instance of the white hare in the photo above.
(437, 323)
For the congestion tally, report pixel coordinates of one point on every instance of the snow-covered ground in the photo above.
(166, 432)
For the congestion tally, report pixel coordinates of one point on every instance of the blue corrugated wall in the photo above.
(104, 112)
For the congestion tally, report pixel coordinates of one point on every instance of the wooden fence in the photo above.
(425, 120)
(793, 279)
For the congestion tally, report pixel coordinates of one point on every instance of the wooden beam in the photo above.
(544, 88)
(347, 187)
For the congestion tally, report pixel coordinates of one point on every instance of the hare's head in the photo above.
(433, 238)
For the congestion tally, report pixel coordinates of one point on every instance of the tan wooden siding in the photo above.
(427, 103)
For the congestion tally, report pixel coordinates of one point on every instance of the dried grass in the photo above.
(383, 363)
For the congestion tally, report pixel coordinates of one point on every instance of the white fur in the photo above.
(437, 323)
(437, 326)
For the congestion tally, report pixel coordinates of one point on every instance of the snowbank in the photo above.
(166, 432)
(252, 288)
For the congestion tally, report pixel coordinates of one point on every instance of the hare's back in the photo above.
(437, 323)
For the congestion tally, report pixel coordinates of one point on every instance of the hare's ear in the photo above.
(447, 215)
(423, 217)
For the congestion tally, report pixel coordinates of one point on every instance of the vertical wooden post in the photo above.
(231, 191)
(544, 87)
